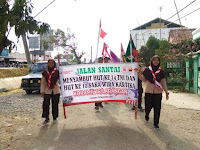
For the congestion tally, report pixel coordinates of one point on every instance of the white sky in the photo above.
(118, 17)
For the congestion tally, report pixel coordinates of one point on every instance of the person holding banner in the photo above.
(97, 105)
(50, 89)
(155, 80)
(106, 59)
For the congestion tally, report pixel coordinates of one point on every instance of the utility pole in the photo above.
(179, 19)
(91, 55)
(26, 51)
(160, 21)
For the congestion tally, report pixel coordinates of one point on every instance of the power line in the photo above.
(36, 14)
(175, 14)
(44, 8)
(181, 9)
(182, 17)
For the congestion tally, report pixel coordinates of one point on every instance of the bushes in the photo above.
(13, 72)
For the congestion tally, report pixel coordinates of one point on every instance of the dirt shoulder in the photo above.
(113, 127)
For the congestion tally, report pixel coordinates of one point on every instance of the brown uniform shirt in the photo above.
(44, 88)
(151, 87)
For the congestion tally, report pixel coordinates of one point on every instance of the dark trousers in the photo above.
(139, 100)
(153, 101)
(98, 104)
(46, 103)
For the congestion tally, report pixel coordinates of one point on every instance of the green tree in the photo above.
(144, 55)
(164, 47)
(18, 15)
(148, 51)
(65, 41)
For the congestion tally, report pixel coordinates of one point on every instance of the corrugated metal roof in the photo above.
(166, 23)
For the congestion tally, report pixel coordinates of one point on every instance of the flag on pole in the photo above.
(105, 51)
(122, 54)
(114, 57)
(128, 52)
(102, 33)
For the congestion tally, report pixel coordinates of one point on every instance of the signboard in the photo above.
(103, 82)
(34, 42)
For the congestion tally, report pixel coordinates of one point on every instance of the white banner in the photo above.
(103, 82)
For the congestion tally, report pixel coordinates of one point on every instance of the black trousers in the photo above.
(54, 102)
(98, 104)
(139, 100)
(153, 101)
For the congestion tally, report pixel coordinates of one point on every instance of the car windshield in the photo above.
(39, 67)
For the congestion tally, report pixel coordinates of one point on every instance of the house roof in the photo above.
(177, 35)
(166, 23)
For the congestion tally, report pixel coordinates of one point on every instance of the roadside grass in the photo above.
(12, 91)
(13, 72)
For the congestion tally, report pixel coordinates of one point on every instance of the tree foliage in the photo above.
(148, 51)
(18, 15)
(163, 49)
(180, 50)
(65, 41)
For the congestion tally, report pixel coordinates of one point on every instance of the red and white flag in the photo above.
(105, 51)
(122, 53)
(102, 33)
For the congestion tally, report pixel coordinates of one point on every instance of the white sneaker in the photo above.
(54, 121)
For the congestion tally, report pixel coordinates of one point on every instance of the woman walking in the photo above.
(50, 89)
(155, 81)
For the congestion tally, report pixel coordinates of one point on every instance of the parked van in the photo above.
(31, 82)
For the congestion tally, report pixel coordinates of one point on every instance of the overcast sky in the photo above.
(118, 17)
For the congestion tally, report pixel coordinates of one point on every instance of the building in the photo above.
(196, 34)
(193, 67)
(158, 28)
(178, 35)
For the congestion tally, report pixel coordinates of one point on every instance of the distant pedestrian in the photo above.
(97, 105)
(155, 80)
(140, 91)
(50, 89)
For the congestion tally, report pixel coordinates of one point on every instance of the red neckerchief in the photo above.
(154, 77)
(49, 75)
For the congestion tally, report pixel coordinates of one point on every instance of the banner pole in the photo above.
(59, 60)
(64, 111)
(131, 47)
(63, 104)
(136, 112)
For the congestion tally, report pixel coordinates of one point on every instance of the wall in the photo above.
(140, 37)
(10, 83)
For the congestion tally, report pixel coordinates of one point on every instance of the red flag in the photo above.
(135, 54)
(105, 51)
(122, 53)
(102, 33)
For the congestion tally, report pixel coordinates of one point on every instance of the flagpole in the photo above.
(98, 41)
(91, 55)
(131, 47)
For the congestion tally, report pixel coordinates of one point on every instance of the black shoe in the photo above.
(141, 109)
(100, 105)
(133, 108)
(156, 126)
(46, 121)
(97, 107)
(147, 118)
